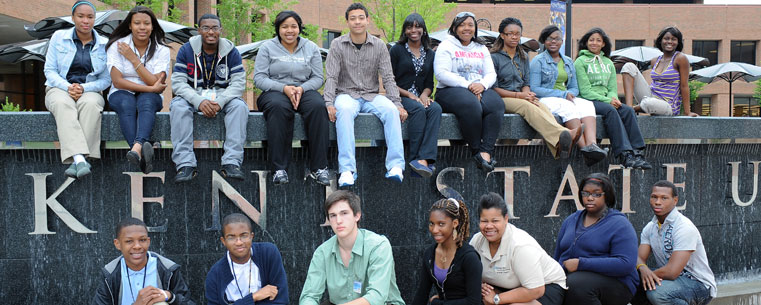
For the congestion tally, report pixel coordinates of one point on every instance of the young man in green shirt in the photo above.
(356, 265)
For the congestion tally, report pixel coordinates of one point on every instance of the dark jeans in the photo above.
(621, 125)
(137, 113)
(480, 121)
(422, 129)
(278, 112)
(591, 288)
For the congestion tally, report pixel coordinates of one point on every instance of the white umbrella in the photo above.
(249, 50)
(18, 52)
(641, 54)
(730, 72)
(105, 23)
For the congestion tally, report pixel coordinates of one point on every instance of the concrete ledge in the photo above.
(40, 127)
(747, 293)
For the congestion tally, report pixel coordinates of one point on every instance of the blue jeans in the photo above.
(137, 113)
(621, 125)
(181, 114)
(681, 291)
(347, 109)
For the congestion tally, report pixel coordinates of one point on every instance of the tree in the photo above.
(163, 9)
(695, 88)
(241, 18)
(757, 92)
(388, 15)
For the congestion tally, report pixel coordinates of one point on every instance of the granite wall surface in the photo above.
(64, 267)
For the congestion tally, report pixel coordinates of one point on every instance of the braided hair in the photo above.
(455, 209)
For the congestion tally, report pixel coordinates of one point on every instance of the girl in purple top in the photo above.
(670, 88)
(451, 265)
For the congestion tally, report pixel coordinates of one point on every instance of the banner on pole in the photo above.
(557, 18)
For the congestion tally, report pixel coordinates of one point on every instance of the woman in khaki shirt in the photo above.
(516, 270)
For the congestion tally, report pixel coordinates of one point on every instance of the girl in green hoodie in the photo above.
(596, 76)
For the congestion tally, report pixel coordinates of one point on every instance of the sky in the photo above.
(732, 2)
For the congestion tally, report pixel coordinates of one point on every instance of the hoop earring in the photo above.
(454, 235)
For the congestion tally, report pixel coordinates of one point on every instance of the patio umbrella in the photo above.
(249, 50)
(730, 72)
(528, 44)
(641, 56)
(105, 23)
(18, 52)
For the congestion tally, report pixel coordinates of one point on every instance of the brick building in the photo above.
(721, 33)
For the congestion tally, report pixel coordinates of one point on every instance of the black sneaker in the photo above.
(185, 174)
(146, 162)
(280, 177)
(628, 160)
(232, 171)
(593, 154)
(641, 162)
(321, 176)
(482, 164)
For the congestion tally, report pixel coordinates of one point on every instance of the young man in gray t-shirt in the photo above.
(682, 271)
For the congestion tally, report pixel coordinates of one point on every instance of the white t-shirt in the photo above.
(519, 261)
(159, 62)
(239, 287)
(678, 233)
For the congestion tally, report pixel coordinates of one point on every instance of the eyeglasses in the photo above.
(512, 34)
(244, 237)
(558, 39)
(214, 29)
(465, 14)
(593, 195)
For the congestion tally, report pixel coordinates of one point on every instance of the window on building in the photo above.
(701, 105)
(623, 44)
(328, 37)
(708, 49)
(743, 51)
(745, 106)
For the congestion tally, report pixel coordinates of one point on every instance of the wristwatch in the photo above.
(496, 299)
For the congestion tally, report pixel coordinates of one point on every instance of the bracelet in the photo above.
(166, 297)
(138, 66)
(640, 265)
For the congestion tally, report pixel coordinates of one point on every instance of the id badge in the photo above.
(357, 287)
(209, 94)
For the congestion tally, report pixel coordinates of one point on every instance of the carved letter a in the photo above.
(568, 177)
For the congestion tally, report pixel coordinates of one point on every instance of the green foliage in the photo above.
(238, 20)
(388, 15)
(695, 87)
(8, 106)
(757, 92)
(164, 9)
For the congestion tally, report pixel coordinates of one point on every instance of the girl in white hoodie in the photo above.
(465, 72)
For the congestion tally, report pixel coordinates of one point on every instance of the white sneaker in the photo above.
(346, 179)
(396, 174)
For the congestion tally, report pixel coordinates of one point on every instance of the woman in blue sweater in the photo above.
(597, 246)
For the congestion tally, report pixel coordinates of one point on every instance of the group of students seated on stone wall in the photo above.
(476, 84)
(596, 260)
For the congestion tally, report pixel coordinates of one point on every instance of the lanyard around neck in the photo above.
(235, 277)
(129, 282)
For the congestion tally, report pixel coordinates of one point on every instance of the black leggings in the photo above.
(279, 113)
(480, 121)
(591, 288)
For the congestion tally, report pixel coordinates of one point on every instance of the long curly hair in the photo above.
(455, 209)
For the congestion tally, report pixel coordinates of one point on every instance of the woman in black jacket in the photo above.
(450, 265)
(412, 61)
